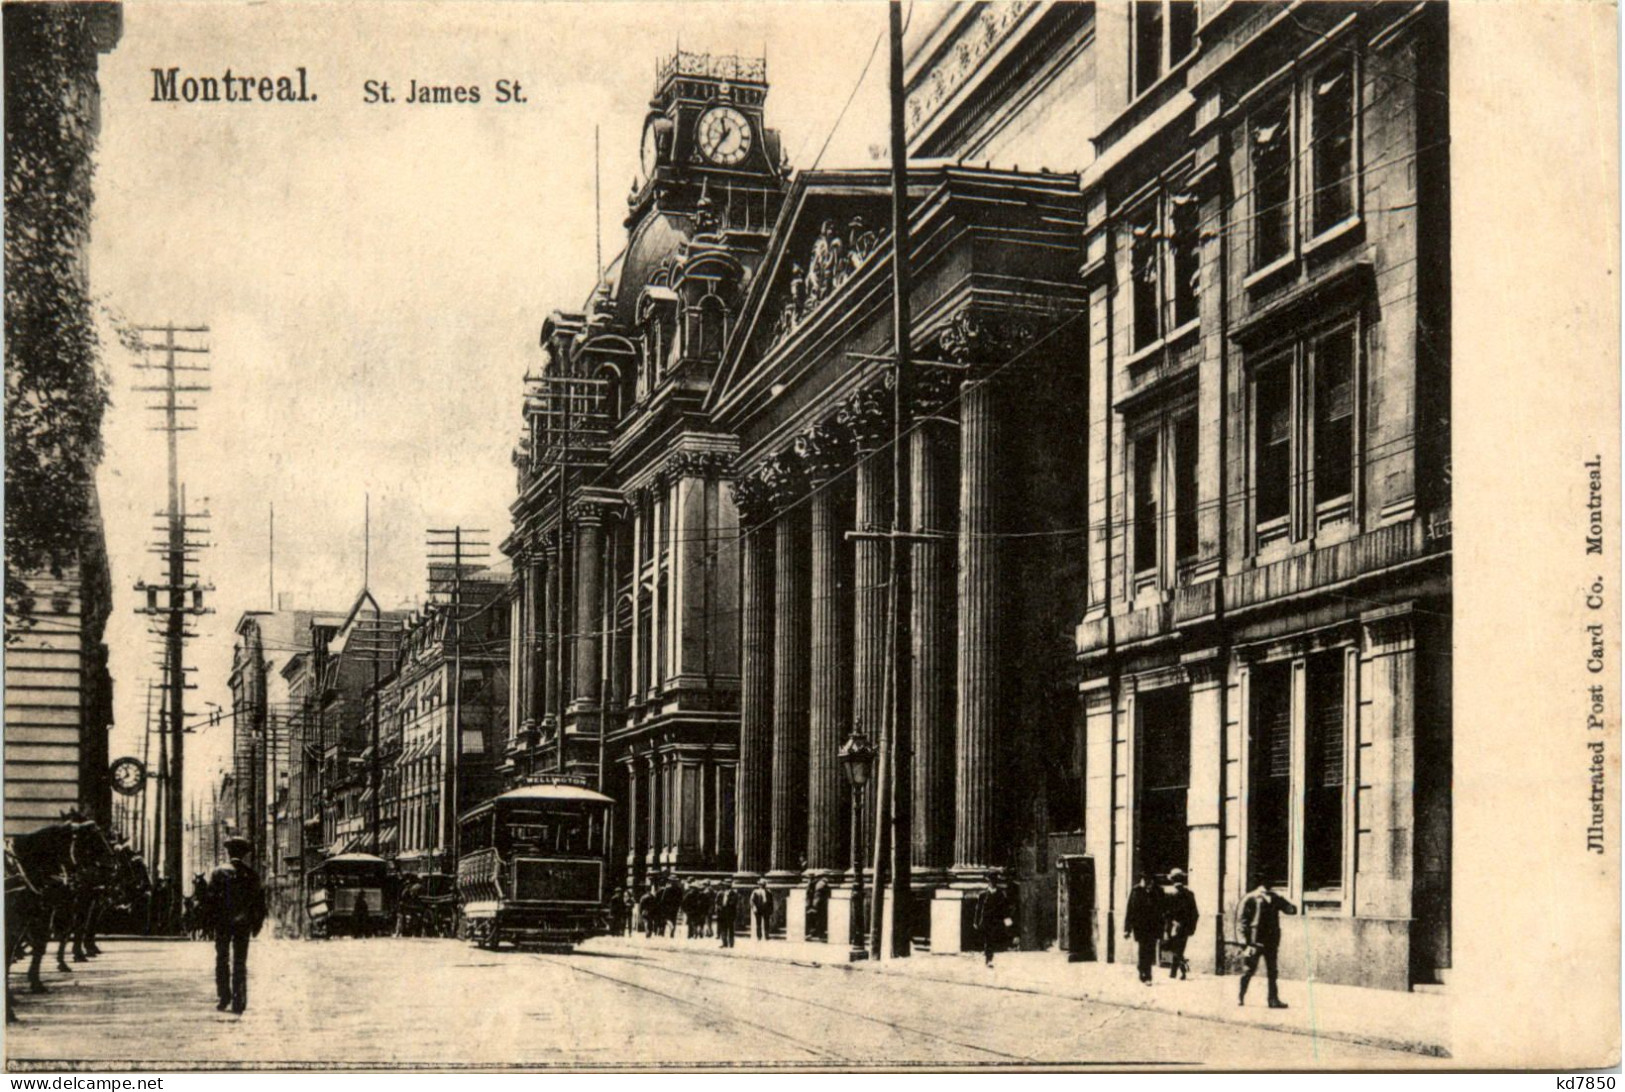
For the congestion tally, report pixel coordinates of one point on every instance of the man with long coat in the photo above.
(237, 913)
(727, 909)
(1143, 922)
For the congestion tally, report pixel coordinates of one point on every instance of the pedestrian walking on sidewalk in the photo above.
(236, 913)
(649, 912)
(995, 914)
(761, 908)
(727, 909)
(1260, 922)
(1180, 913)
(1143, 922)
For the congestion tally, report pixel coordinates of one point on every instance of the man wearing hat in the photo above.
(1142, 920)
(727, 911)
(236, 912)
(761, 908)
(1179, 910)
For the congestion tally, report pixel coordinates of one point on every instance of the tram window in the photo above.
(554, 833)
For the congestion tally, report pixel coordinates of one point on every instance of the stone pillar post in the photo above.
(753, 815)
(824, 451)
(535, 577)
(931, 606)
(790, 680)
(868, 416)
(1204, 804)
(550, 615)
(588, 642)
(978, 631)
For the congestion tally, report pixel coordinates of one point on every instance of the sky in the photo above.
(375, 277)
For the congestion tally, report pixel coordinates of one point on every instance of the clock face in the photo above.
(650, 152)
(128, 775)
(724, 136)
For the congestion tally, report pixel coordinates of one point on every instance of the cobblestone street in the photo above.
(442, 1005)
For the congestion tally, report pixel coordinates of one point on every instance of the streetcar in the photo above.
(534, 866)
(337, 887)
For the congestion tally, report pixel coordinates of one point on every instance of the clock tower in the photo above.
(705, 134)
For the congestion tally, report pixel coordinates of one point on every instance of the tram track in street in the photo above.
(837, 1011)
(712, 1019)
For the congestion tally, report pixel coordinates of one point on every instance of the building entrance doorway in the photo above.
(1162, 775)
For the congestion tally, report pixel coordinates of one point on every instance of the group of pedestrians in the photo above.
(1156, 916)
(704, 909)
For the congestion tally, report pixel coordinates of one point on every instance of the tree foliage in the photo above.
(56, 386)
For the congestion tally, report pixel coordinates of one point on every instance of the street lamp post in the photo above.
(857, 758)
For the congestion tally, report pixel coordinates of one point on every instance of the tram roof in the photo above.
(543, 793)
(354, 858)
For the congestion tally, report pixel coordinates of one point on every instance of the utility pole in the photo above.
(176, 549)
(464, 546)
(900, 774)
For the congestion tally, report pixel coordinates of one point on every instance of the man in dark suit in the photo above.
(237, 912)
(1179, 911)
(761, 909)
(1143, 922)
(727, 909)
(1260, 922)
(995, 914)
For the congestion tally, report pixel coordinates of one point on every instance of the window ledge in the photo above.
(1183, 333)
(1145, 353)
(1338, 232)
(1269, 272)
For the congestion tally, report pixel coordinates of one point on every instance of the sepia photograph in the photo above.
(809, 535)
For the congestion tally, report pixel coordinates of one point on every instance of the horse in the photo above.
(94, 874)
(40, 871)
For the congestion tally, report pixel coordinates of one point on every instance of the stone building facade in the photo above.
(624, 624)
(1266, 652)
(1177, 467)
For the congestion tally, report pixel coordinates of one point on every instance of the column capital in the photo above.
(588, 513)
(751, 498)
(785, 477)
(822, 450)
(1203, 669)
(710, 465)
(982, 340)
(867, 415)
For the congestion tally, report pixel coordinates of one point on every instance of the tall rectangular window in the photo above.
(1185, 455)
(1185, 257)
(1331, 106)
(1272, 452)
(1334, 415)
(1144, 454)
(1145, 258)
(1324, 770)
(1181, 29)
(1148, 30)
(1269, 774)
(1270, 151)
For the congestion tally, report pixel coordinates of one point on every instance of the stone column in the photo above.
(790, 654)
(589, 523)
(868, 415)
(931, 606)
(824, 451)
(550, 616)
(978, 631)
(535, 580)
(755, 795)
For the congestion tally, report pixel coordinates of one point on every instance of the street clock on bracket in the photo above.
(128, 776)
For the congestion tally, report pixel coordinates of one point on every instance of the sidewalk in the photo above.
(1414, 1022)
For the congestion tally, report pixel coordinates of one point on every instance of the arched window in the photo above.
(713, 327)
